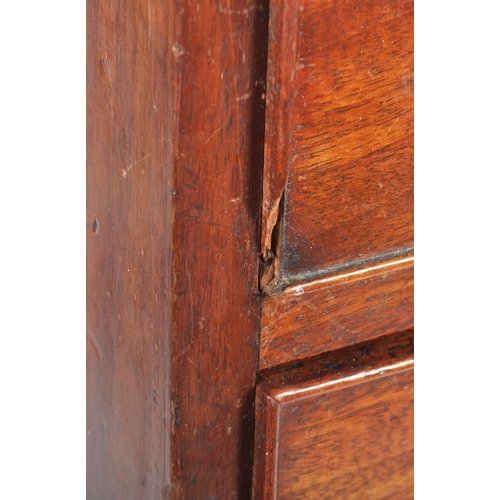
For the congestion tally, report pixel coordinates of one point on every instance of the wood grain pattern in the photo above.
(265, 445)
(349, 190)
(309, 318)
(338, 425)
(128, 250)
(176, 94)
(175, 123)
(218, 67)
(280, 76)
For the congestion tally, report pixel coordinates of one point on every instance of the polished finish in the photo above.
(338, 425)
(175, 122)
(338, 310)
(218, 66)
(202, 157)
(128, 250)
(344, 172)
(280, 75)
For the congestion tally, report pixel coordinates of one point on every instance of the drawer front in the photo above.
(311, 318)
(340, 426)
(338, 180)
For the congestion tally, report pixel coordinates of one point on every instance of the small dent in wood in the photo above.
(178, 50)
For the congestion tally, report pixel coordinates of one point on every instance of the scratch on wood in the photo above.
(106, 66)
(333, 319)
(244, 97)
(125, 170)
(95, 344)
(394, 123)
(184, 351)
(193, 336)
(212, 135)
(311, 306)
(243, 12)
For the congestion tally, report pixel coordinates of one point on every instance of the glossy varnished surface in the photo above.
(345, 167)
(317, 316)
(176, 95)
(339, 425)
(218, 67)
(175, 132)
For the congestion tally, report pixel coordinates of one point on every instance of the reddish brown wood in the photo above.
(265, 445)
(174, 189)
(218, 62)
(280, 75)
(128, 250)
(338, 425)
(176, 94)
(348, 101)
(312, 317)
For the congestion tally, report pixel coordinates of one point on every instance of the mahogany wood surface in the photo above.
(265, 443)
(128, 250)
(176, 99)
(175, 141)
(218, 71)
(339, 425)
(280, 75)
(312, 317)
(344, 132)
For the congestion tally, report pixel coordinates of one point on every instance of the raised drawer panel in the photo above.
(338, 180)
(338, 426)
(312, 317)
